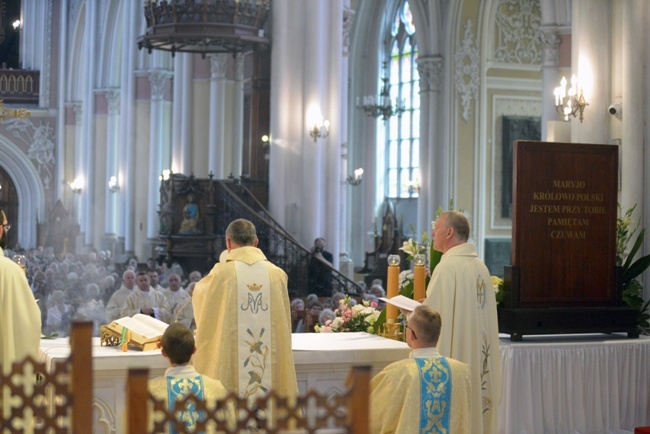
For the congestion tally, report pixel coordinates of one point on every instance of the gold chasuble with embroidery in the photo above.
(426, 394)
(243, 325)
(461, 291)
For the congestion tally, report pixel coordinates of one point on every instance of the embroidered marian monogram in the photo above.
(480, 292)
(255, 303)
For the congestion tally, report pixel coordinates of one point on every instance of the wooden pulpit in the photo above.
(563, 277)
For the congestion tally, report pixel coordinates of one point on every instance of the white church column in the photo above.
(311, 206)
(633, 71)
(158, 81)
(238, 118)
(113, 99)
(434, 154)
(550, 75)
(182, 115)
(591, 31)
(62, 75)
(75, 211)
(216, 140)
(127, 110)
(88, 139)
(337, 112)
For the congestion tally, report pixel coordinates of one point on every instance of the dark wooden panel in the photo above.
(564, 224)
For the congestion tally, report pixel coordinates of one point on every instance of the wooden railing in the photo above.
(19, 86)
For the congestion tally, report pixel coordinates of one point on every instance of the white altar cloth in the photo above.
(322, 361)
(566, 384)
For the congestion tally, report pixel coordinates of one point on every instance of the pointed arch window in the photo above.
(402, 156)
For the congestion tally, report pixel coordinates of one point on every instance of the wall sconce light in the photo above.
(76, 185)
(113, 185)
(165, 175)
(356, 178)
(17, 24)
(266, 145)
(320, 129)
(569, 103)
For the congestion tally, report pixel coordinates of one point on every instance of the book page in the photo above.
(402, 302)
(139, 324)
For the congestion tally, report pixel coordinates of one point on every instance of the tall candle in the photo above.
(391, 287)
(419, 274)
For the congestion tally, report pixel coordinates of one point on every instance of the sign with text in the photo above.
(564, 224)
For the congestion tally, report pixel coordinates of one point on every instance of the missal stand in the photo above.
(563, 277)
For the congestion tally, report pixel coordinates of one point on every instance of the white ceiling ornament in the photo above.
(466, 76)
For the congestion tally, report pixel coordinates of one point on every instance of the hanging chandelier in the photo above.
(381, 105)
(204, 26)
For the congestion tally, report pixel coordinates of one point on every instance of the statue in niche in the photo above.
(190, 217)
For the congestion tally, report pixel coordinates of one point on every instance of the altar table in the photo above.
(561, 384)
(566, 384)
(323, 361)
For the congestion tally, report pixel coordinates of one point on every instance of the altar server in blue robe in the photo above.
(181, 379)
(427, 393)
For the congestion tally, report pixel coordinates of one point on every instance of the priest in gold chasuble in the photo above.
(243, 320)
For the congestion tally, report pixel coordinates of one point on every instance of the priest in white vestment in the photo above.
(118, 299)
(20, 317)
(180, 304)
(243, 320)
(461, 291)
(427, 393)
(146, 300)
(181, 379)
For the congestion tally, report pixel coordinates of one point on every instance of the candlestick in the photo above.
(391, 287)
(419, 274)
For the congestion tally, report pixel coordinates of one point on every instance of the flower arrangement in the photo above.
(358, 318)
(497, 286)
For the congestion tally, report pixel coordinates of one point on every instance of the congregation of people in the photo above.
(243, 320)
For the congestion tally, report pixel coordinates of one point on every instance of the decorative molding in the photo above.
(218, 65)
(430, 70)
(78, 113)
(113, 100)
(40, 142)
(348, 20)
(551, 46)
(518, 40)
(158, 80)
(467, 70)
(47, 61)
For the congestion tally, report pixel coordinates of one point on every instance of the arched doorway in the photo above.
(9, 204)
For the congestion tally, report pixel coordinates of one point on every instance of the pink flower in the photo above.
(373, 304)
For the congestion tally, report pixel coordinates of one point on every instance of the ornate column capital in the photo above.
(348, 19)
(550, 45)
(430, 70)
(158, 80)
(113, 100)
(218, 65)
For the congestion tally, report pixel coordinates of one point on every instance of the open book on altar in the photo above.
(146, 331)
(402, 302)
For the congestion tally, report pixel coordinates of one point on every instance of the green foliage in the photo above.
(631, 269)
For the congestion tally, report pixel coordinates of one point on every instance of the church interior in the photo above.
(131, 131)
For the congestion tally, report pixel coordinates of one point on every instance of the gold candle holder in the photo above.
(392, 330)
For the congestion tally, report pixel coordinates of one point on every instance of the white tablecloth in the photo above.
(585, 384)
